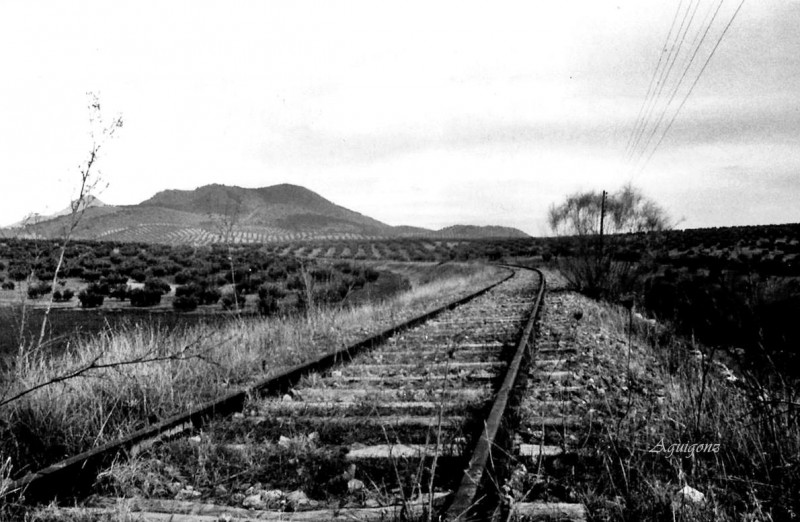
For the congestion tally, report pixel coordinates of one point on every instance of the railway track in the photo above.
(415, 428)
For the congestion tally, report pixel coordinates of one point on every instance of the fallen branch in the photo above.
(94, 364)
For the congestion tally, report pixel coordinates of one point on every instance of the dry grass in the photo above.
(135, 376)
(667, 392)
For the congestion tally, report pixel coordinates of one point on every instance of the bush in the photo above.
(9, 285)
(90, 276)
(156, 271)
(184, 276)
(62, 297)
(45, 275)
(187, 290)
(207, 295)
(343, 267)
(229, 301)
(331, 293)
(89, 299)
(268, 296)
(202, 293)
(36, 290)
(321, 273)
(157, 286)
(18, 273)
(142, 297)
(295, 282)
(119, 292)
(99, 289)
(74, 271)
(240, 273)
(114, 278)
(371, 275)
(184, 303)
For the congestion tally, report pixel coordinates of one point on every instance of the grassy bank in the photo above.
(672, 416)
(126, 379)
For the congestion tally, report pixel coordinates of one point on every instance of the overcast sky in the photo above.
(415, 113)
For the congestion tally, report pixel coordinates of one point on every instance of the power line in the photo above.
(674, 93)
(675, 50)
(691, 89)
(653, 78)
(659, 80)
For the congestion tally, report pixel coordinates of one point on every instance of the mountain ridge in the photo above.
(35, 217)
(215, 212)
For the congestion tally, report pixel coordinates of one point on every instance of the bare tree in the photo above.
(90, 178)
(588, 217)
(226, 223)
(627, 211)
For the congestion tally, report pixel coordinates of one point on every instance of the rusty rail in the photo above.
(465, 499)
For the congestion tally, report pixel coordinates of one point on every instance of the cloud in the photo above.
(773, 119)
(306, 144)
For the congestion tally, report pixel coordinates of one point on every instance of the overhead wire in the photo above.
(697, 79)
(656, 71)
(675, 49)
(643, 150)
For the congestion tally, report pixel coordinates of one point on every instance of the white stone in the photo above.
(354, 485)
(297, 499)
(273, 496)
(690, 494)
(187, 494)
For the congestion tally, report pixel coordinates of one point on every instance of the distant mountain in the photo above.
(213, 213)
(89, 201)
(477, 232)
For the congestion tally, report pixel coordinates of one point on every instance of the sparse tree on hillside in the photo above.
(90, 179)
(226, 224)
(590, 217)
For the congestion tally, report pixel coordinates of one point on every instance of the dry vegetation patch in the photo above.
(126, 379)
(669, 433)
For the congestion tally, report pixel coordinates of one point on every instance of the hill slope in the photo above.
(213, 213)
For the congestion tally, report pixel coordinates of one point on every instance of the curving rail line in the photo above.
(425, 400)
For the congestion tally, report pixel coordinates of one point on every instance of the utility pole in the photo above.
(602, 219)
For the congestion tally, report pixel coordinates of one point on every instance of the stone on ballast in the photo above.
(187, 493)
(354, 485)
(690, 494)
(297, 499)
